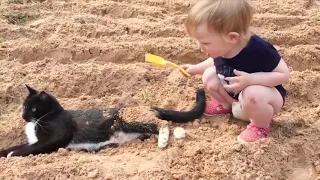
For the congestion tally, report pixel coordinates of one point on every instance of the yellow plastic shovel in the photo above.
(160, 62)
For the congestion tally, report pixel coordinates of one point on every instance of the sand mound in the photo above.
(91, 54)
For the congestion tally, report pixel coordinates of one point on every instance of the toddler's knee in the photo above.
(251, 96)
(212, 85)
(208, 75)
(210, 79)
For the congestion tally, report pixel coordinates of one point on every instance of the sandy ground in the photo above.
(91, 54)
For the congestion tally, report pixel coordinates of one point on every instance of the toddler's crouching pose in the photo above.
(242, 66)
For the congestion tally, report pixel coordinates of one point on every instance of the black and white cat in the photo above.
(50, 127)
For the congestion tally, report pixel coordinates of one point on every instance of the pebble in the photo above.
(217, 171)
(215, 126)
(62, 151)
(179, 132)
(317, 168)
(176, 176)
(173, 152)
(93, 173)
(268, 177)
(196, 123)
(192, 151)
(203, 128)
(237, 147)
(284, 154)
(252, 176)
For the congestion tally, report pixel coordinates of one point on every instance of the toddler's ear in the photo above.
(233, 37)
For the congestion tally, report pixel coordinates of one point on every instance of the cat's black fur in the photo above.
(184, 116)
(58, 128)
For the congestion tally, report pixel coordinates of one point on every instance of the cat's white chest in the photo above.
(31, 133)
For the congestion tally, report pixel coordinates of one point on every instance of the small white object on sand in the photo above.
(179, 132)
(238, 113)
(163, 137)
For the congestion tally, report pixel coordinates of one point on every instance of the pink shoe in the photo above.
(213, 107)
(253, 133)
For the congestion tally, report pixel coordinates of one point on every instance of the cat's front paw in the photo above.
(10, 154)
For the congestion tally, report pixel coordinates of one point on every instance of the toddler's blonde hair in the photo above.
(223, 16)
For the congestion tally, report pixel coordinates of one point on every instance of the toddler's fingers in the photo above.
(185, 66)
(231, 87)
(232, 79)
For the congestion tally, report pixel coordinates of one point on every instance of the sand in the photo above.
(91, 54)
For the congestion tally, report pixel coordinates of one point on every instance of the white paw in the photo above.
(163, 137)
(179, 132)
(9, 155)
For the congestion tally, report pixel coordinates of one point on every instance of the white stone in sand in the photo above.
(163, 137)
(179, 132)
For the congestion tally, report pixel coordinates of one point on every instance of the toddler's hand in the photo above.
(239, 82)
(189, 68)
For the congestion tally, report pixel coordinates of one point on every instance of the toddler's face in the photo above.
(211, 42)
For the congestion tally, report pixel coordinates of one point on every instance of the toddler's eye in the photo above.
(33, 109)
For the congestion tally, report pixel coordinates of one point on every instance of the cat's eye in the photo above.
(24, 107)
(33, 109)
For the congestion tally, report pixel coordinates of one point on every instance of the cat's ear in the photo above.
(44, 96)
(31, 90)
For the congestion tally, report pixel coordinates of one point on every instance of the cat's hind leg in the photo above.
(120, 137)
(143, 128)
(135, 127)
(143, 137)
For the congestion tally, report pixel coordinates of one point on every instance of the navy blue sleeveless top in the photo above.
(258, 56)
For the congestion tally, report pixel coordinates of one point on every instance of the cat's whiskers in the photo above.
(37, 122)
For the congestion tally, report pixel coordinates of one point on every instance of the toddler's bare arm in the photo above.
(201, 67)
(279, 75)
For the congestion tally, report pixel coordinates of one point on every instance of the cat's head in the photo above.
(38, 104)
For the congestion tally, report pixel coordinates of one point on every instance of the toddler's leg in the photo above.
(260, 104)
(220, 105)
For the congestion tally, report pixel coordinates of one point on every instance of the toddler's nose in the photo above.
(204, 52)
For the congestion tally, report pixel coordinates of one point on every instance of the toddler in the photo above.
(241, 65)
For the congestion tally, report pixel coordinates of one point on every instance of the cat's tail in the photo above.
(184, 116)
